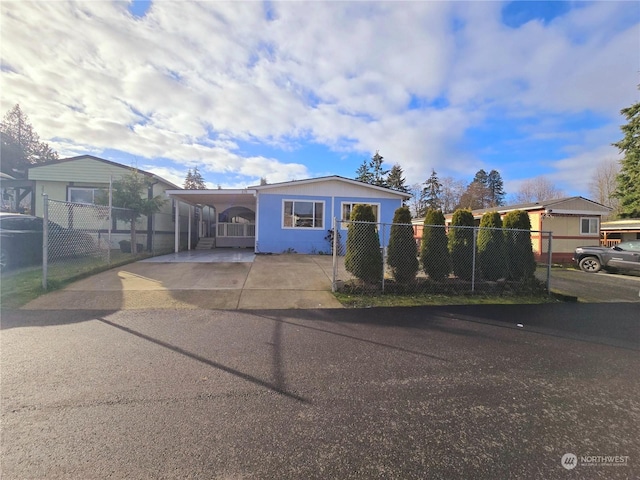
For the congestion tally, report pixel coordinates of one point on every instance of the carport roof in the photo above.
(219, 199)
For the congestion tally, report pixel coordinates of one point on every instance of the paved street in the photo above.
(429, 392)
(596, 287)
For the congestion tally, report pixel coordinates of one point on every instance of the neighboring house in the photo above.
(293, 216)
(572, 221)
(81, 179)
(617, 231)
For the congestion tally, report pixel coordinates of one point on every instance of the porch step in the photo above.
(206, 243)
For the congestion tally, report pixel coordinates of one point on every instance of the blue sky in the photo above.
(291, 90)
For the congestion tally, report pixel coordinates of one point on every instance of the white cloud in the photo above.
(191, 80)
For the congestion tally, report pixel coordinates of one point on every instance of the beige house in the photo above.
(82, 179)
(572, 221)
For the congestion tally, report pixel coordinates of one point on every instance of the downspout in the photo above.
(255, 240)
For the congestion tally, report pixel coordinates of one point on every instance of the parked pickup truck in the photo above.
(623, 256)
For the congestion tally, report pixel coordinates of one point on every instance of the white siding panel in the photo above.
(81, 170)
(330, 188)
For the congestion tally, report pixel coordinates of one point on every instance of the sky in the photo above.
(288, 90)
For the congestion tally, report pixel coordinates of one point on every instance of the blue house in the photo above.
(291, 216)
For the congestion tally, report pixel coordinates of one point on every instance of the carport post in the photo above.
(177, 229)
(45, 241)
(189, 230)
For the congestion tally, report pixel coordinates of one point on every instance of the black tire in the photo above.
(590, 265)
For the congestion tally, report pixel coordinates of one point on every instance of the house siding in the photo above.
(273, 238)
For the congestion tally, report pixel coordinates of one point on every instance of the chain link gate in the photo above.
(370, 258)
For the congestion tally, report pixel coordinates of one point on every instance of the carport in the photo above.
(233, 223)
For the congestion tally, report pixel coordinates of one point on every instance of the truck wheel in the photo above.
(590, 265)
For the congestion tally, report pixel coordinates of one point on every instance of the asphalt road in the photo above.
(596, 287)
(440, 392)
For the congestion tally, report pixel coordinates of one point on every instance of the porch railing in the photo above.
(609, 242)
(236, 230)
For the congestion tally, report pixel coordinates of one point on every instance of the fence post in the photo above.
(473, 261)
(549, 256)
(384, 255)
(45, 241)
(335, 254)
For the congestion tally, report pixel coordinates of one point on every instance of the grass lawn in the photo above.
(19, 287)
(407, 300)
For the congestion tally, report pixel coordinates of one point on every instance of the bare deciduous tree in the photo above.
(603, 184)
(537, 190)
(452, 191)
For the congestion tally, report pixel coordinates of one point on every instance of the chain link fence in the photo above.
(79, 238)
(370, 258)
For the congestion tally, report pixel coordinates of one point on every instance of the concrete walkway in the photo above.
(217, 279)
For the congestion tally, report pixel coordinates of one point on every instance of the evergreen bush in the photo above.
(461, 243)
(520, 259)
(363, 258)
(491, 249)
(402, 252)
(434, 252)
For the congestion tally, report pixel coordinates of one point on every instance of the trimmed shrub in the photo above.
(363, 258)
(461, 243)
(491, 251)
(520, 259)
(402, 252)
(434, 252)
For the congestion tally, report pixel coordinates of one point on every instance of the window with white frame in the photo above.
(303, 214)
(347, 207)
(589, 226)
(84, 194)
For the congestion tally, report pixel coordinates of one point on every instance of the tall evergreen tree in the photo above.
(363, 174)
(491, 248)
(517, 236)
(495, 189)
(395, 179)
(363, 257)
(461, 243)
(432, 192)
(379, 174)
(434, 251)
(21, 145)
(194, 180)
(628, 179)
(402, 254)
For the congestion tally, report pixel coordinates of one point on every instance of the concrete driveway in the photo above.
(215, 279)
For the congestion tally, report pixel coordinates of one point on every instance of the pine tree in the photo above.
(188, 181)
(194, 180)
(198, 181)
(491, 249)
(495, 189)
(628, 180)
(434, 252)
(395, 179)
(363, 174)
(461, 243)
(432, 192)
(21, 145)
(402, 252)
(363, 258)
(517, 235)
(378, 174)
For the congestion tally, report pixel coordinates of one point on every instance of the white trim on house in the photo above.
(377, 213)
